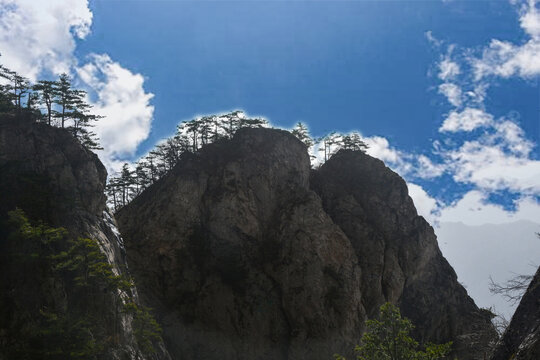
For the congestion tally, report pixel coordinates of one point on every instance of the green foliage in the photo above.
(59, 100)
(77, 307)
(388, 338)
(146, 329)
(89, 267)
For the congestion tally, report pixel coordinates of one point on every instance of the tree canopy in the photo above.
(388, 338)
(54, 102)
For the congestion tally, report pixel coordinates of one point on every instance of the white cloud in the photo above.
(466, 120)
(530, 19)
(426, 169)
(497, 160)
(121, 98)
(474, 209)
(513, 138)
(505, 59)
(432, 39)
(448, 69)
(425, 204)
(452, 92)
(41, 35)
(379, 147)
(491, 169)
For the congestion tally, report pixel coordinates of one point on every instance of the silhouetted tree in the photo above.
(353, 141)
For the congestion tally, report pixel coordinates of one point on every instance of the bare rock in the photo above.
(521, 340)
(247, 254)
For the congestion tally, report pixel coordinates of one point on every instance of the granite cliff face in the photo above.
(247, 253)
(48, 174)
(521, 341)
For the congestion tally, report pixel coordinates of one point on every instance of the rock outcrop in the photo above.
(521, 340)
(246, 253)
(45, 172)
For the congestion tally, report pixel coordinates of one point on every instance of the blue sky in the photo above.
(445, 92)
(335, 65)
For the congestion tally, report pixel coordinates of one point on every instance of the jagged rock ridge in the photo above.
(48, 174)
(246, 253)
(521, 340)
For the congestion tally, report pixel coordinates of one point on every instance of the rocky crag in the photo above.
(45, 172)
(521, 340)
(247, 253)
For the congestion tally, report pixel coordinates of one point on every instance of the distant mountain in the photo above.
(498, 250)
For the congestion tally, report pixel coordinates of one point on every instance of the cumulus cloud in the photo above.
(121, 98)
(490, 168)
(530, 19)
(380, 148)
(498, 159)
(506, 59)
(41, 35)
(466, 120)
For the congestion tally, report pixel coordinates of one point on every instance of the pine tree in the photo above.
(73, 106)
(327, 142)
(126, 183)
(45, 90)
(353, 141)
(15, 88)
(302, 133)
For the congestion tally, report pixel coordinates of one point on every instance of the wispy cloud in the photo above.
(505, 59)
(466, 120)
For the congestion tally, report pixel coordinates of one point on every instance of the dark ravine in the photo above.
(48, 174)
(246, 253)
(521, 341)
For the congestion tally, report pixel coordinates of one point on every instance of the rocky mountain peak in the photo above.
(246, 253)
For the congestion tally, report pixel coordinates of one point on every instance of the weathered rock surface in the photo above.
(48, 174)
(398, 253)
(247, 254)
(521, 341)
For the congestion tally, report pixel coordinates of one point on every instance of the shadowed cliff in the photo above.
(247, 253)
(521, 340)
(48, 310)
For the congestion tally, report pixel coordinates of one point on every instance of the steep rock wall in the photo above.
(521, 340)
(48, 174)
(242, 259)
(398, 253)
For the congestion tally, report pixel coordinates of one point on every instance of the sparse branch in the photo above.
(512, 290)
